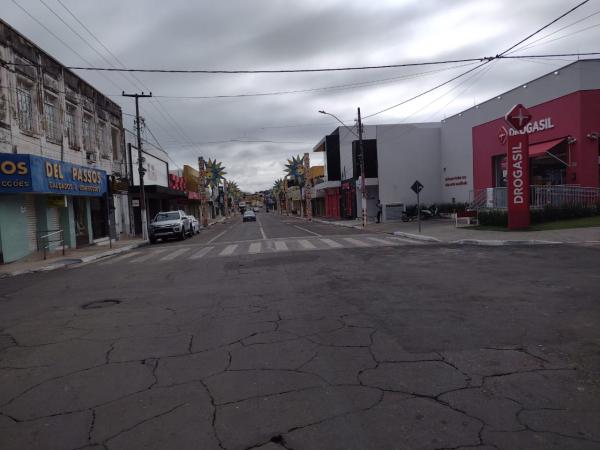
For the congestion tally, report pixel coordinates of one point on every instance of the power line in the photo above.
(539, 30)
(501, 54)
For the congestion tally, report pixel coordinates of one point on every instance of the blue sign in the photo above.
(30, 173)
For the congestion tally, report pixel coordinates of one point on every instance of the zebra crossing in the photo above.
(274, 246)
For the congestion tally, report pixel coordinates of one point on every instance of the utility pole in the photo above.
(362, 171)
(141, 169)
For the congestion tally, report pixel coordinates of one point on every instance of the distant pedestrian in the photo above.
(379, 209)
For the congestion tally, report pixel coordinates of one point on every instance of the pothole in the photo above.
(97, 304)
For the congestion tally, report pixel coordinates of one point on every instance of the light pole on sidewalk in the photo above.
(363, 189)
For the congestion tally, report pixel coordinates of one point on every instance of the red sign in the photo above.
(502, 135)
(518, 181)
(177, 183)
(518, 117)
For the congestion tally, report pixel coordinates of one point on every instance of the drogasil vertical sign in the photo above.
(517, 156)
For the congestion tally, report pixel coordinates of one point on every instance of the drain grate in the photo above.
(97, 304)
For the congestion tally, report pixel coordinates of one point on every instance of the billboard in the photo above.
(157, 170)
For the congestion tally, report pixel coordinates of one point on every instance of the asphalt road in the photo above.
(268, 336)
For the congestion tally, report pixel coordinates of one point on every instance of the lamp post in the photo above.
(361, 162)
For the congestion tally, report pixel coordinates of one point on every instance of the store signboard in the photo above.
(31, 173)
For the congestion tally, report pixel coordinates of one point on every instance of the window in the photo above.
(101, 139)
(24, 107)
(87, 133)
(71, 129)
(51, 118)
(115, 144)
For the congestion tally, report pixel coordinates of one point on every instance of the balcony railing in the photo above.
(540, 196)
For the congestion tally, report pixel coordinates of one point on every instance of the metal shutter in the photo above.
(31, 229)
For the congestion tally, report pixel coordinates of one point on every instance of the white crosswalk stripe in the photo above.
(382, 241)
(148, 256)
(174, 254)
(120, 258)
(281, 246)
(154, 255)
(331, 243)
(228, 250)
(357, 242)
(307, 245)
(255, 247)
(201, 253)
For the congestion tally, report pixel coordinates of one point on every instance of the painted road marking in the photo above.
(331, 243)
(308, 231)
(174, 254)
(281, 246)
(357, 242)
(148, 256)
(255, 247)
(228, 250)
(306, 244)
(201, 253)
(120, 258)
(260, 227)
(382, 241)
(218, 236)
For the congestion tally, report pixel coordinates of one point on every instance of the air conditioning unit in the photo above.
(91, 156)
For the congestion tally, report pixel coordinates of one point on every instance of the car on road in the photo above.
(249, 216)
(195, 225)
(256, 209)
(169, 225)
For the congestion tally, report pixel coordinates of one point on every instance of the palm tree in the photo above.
(295, 171)
(278, 191)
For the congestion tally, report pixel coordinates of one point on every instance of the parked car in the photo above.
(169, 224)
(256, 209)
(195, 225)
(249, 216)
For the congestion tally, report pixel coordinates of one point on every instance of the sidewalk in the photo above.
(56, 260)
(444, 230)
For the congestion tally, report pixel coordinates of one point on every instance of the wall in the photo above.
(408, 152)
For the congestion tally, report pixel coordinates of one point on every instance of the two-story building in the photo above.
(62, 154)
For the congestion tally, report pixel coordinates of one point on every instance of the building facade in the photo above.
(66, 141)
(465, 153)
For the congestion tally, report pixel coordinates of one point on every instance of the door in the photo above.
(53, 226)
(81, 230)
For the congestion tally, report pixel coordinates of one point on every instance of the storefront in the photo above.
(40, 196)
(348, 199)
(562, 147)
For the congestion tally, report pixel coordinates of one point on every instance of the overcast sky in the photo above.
(285, 34)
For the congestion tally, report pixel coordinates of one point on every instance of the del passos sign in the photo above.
(30, 173)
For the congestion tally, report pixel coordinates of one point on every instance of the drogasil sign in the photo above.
(532, 127)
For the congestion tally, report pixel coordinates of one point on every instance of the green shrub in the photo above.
(550, 213)
(493, 217)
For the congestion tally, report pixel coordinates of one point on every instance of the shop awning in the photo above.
(541, 149)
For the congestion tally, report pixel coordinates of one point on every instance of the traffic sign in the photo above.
(417, 187)
(518, 117)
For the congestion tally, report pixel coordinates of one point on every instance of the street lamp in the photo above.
(362, 162)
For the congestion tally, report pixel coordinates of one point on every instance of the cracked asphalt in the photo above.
(388, 347)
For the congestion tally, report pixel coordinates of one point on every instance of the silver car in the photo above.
(195, 225)
(169, 224)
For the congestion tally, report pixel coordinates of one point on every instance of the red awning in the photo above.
(542, 148)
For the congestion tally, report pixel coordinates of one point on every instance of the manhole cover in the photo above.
(97, 304)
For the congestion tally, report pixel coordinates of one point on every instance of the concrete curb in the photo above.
(74, 261)
(337, 224)
(498, 243)
(418, 237)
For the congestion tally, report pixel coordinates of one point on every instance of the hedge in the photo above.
(497, 217)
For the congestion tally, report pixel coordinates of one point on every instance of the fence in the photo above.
(50, 240)
(540, 196)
